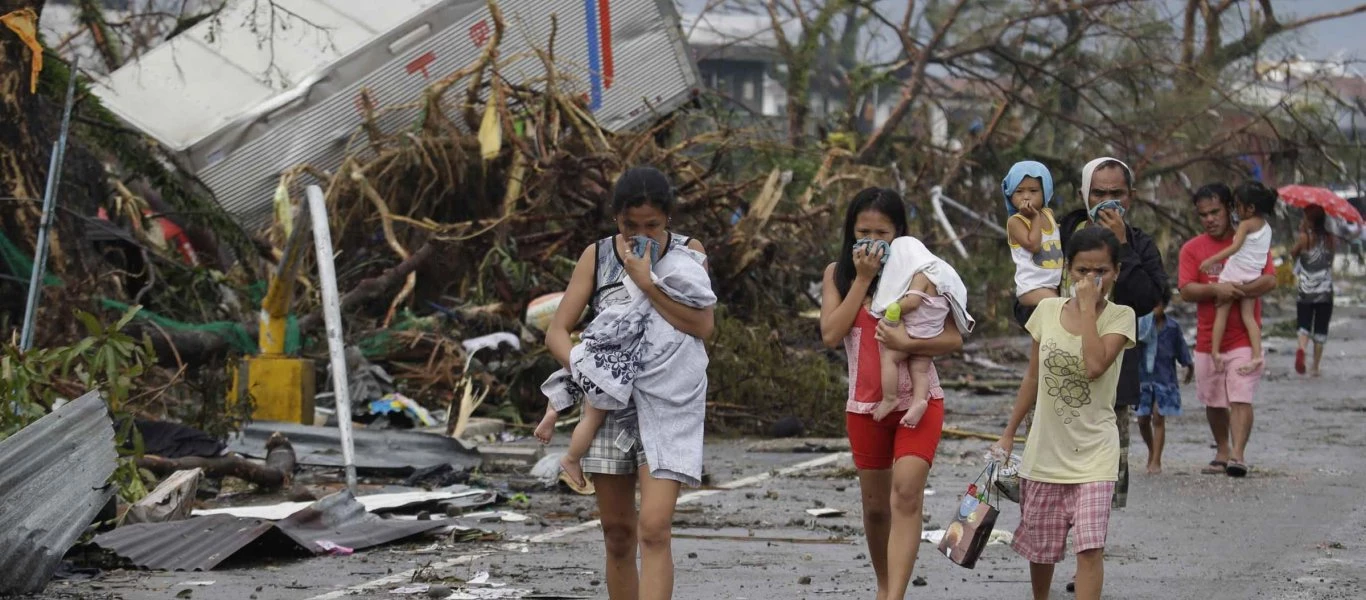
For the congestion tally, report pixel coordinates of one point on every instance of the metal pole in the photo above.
(327, 279)
(54, 179)
(936, 202)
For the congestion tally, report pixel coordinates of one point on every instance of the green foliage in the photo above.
(106, 360)
(755, 377)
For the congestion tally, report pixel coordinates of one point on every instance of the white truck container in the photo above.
(237, 107)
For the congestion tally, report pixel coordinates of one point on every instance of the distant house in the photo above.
(737, 58)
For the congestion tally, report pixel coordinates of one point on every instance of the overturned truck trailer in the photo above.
(237, 107)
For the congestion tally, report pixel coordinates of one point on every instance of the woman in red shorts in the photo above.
(893, 461)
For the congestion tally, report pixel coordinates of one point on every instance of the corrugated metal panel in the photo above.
(340, 519)
(386, 451)
(197, 544)
(53, 481)
(202, 543)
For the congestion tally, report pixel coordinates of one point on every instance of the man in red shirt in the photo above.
(1226, 394)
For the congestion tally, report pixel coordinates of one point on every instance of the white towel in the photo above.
(910, 256)
(630, 355)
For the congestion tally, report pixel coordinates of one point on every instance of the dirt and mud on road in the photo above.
(1295, 528)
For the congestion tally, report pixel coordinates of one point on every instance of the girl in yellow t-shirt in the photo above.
(1068, 468)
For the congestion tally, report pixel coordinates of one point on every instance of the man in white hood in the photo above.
(1107, 191)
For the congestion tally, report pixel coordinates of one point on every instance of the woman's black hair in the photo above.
(882, 200)
(1254, 193)
(1216, 190)
(1093, 238)
(640, 186)
(1318, 226)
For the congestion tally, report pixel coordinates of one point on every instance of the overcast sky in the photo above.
(1338, 38)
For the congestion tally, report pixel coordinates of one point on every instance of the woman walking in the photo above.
(1314, 251)
(893, 461)
(642, 200)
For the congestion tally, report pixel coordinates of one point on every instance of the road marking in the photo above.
(407, 576)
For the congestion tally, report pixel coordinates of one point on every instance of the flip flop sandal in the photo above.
(583, 490)
(1236, 469)
(1215, 467)
(1299, 361)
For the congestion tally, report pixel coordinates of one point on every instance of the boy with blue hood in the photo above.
(1035, 240)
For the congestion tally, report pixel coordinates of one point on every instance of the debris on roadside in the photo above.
(379, 452)
(54, 477)
(336, 523)
(172, 500)
(801, 445)
(824, 512)
(277, 472)
(460, 495)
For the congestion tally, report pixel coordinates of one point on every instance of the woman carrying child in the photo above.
(893, 460)
(642, 199)
(1067, 472)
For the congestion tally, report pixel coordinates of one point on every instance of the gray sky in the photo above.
(1324, 40)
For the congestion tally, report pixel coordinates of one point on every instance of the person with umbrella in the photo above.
(1313, 252)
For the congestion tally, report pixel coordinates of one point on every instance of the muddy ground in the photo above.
(1295, 528)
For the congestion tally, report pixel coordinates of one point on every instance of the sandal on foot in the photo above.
(1215, 467)
(1299, 361)
(1236, 469)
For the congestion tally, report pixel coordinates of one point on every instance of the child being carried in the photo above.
(1035, 242)
(1246, 256)
(920, 289)
(629, 352)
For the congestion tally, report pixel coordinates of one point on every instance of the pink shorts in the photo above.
(1217, 390)
(1049, 510)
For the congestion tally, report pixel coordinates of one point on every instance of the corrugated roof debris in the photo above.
(378, 451)
(54, 478)
(196, 544)
(202, 543)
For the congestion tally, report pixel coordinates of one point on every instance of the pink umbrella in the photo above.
(1301, 196)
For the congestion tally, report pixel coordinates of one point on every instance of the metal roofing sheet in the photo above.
(202, 543)
(197, 544)
(377, 450)
(53, 481)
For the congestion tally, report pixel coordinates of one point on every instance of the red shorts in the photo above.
(878, 444)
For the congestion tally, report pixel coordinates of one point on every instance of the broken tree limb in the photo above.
(276, 473)
(964, 434)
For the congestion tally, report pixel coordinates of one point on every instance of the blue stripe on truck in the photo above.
(590, 8)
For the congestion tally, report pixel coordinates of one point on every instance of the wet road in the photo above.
(1295, 528)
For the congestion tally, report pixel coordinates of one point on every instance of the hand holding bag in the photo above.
(968, 533)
